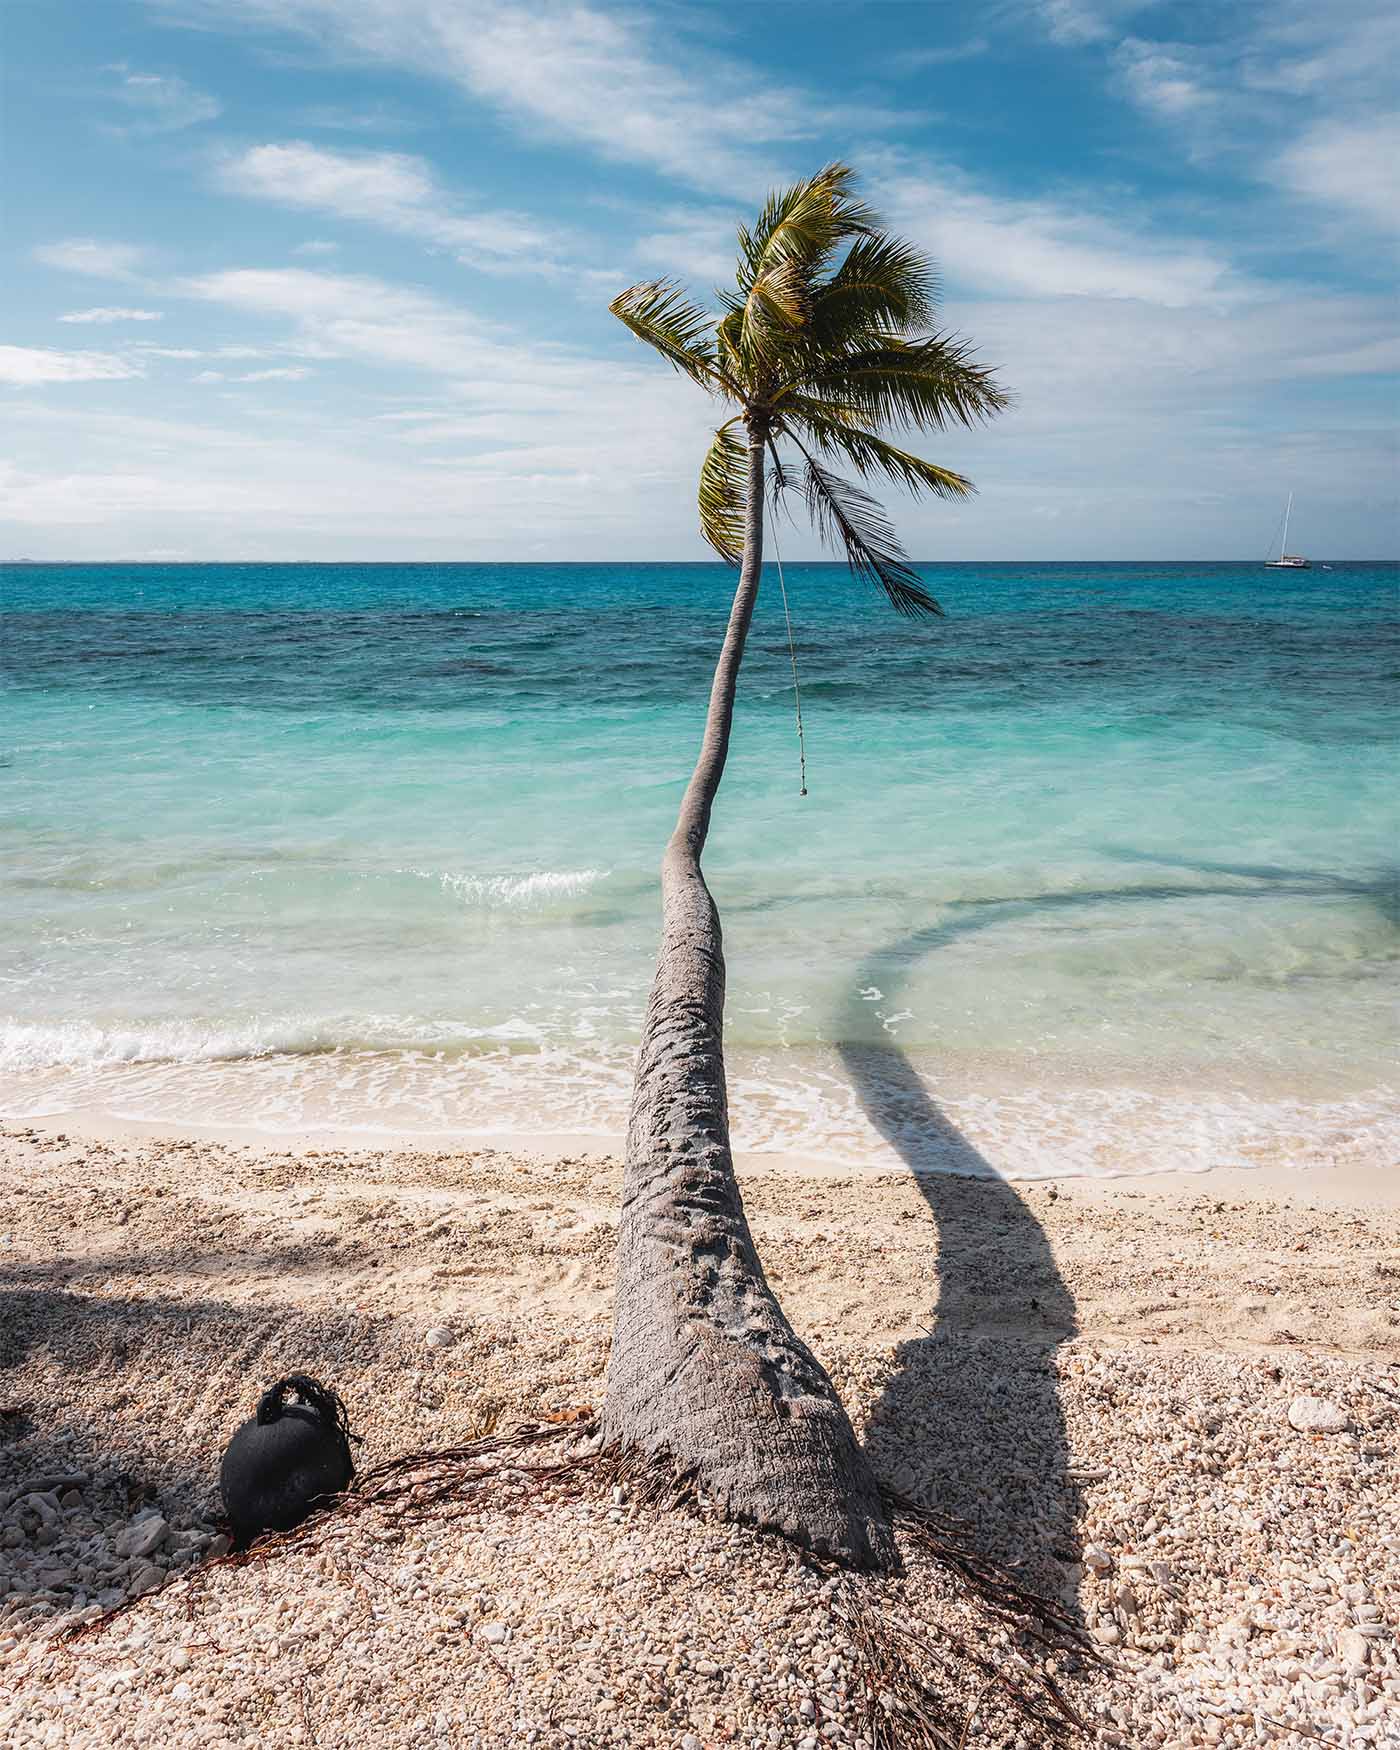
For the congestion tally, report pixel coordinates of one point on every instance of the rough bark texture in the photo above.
(705, 1369)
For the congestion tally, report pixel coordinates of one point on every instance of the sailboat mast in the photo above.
(1287, 513)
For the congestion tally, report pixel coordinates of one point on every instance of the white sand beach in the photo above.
(1097, 1377)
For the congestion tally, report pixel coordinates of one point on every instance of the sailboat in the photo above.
(1287, 561)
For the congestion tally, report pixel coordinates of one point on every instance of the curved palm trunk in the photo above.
(705, 1369)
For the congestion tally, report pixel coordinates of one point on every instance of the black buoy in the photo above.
(285, 1458)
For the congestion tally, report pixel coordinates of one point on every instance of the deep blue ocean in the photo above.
(1101, 868)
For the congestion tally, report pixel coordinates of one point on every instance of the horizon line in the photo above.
(697, 564)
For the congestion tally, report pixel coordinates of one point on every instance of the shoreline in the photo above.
(1373, 1185)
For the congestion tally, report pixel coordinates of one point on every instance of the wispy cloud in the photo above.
(1085, 21)
(550, 455)
(690, 242)
(276, 374)
(632, 87)
(110, 261)
(1351, 167)
(1162, 77)
(949, 54)
(113, 313)
(359, 317)
(550, 446)
(28, 365)
(514, 389)
(1346, 53)
(1333, 141)
(393, 190)
(1047, 249)
(160, 103)
(375, 118)
(316, 246)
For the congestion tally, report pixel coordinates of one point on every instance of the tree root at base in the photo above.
(913, 1671)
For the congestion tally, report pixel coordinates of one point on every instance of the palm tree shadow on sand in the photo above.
(969, 1420)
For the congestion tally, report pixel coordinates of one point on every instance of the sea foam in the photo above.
(514, 892)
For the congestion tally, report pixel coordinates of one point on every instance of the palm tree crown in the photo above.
(824, 336)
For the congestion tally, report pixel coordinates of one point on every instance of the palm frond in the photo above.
(781, 481)
(835, 430)
(801, 225)
(727, 333)
(883, 282)
(924, 385)
(823, 342)
(847, 514)
(660, 313)
(724, 493)
(773, 314)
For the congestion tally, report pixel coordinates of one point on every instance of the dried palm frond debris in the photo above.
(952, 1643)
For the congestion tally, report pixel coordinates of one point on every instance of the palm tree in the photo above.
(822, 339)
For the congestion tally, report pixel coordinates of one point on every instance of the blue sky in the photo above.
(328, 278)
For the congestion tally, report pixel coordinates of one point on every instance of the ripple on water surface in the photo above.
(1097, 874)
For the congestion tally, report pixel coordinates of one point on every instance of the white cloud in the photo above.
(1345, 53)
(692, 243)
(630, 87)
(112, 313)
(378, 118)
(1085, 21)
(389, 189)
(161, 103)
(1302, 94)
(1162, 77)
(357, 316)
(316, 246)
(996, 243)
(276, 374)
(919, 60)
(568, 454)
(1140, 427)
(1046, 249)
(40, 364)
(1351, 166)
(550, 444)
(112, 261)
(531, 393)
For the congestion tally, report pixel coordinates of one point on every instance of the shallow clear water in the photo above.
(1096, 874)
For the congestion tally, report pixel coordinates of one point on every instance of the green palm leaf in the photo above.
(834, 432)
(884, 282)
(802, 224)
(823, 342)
(926, 385)
(846, 515)
(772, 315)
(659, 312)
(724, 493)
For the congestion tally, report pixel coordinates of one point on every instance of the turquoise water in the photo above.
(1097, 874)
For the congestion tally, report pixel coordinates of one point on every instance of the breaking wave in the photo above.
(80, 1045)
(514, 892)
